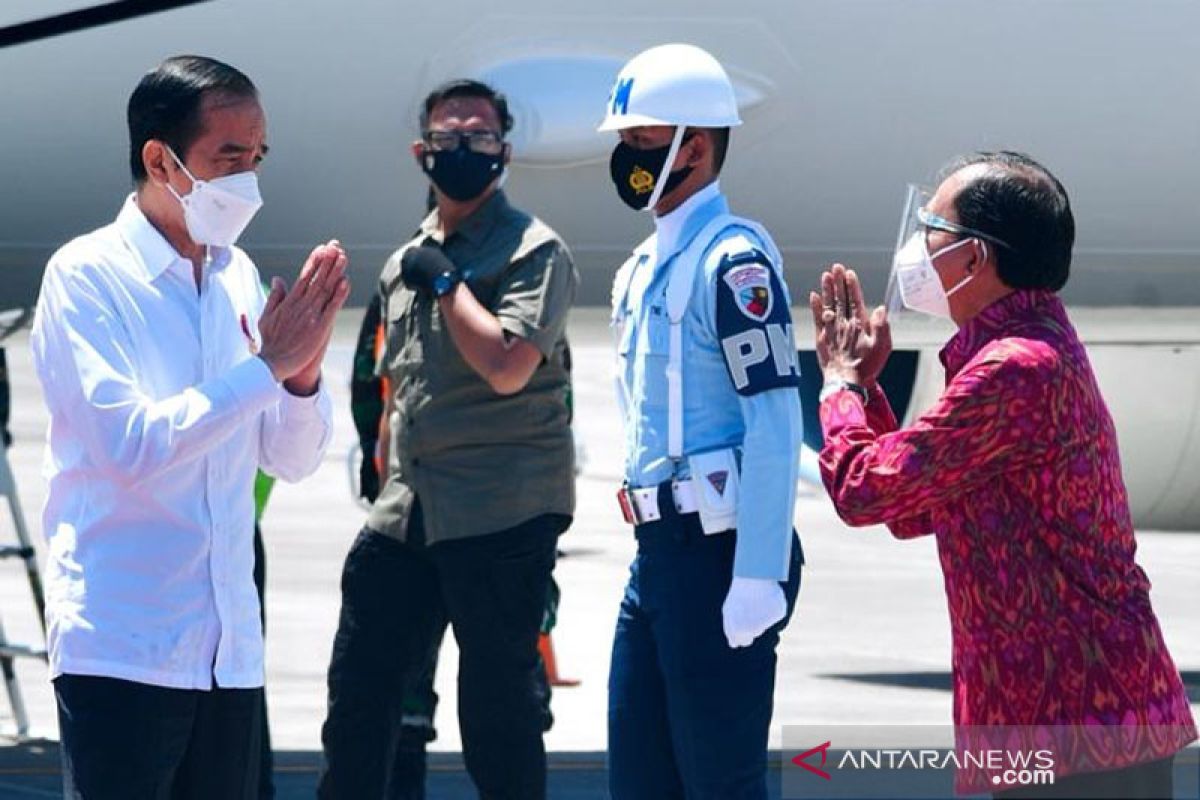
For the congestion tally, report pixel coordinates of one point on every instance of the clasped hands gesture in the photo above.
(296, 325)
(851, 344)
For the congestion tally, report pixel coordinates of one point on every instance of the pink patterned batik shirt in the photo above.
(1015, 471)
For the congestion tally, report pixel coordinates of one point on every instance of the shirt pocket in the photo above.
(624, 338)
(401, 345)
(231, 313)
(652, 354)
(245, 339)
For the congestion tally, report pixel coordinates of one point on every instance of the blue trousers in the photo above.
(688, 716)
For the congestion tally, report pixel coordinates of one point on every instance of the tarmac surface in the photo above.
(869, 643)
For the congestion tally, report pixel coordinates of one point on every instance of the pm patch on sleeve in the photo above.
(754, 324)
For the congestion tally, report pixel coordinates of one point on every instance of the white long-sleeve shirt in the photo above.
(159, 416)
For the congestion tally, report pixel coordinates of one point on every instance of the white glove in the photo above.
(752, 606)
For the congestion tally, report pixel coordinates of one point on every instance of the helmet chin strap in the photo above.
(661, 181)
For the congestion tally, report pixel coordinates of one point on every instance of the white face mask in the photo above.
(919, 284)
(217, 211)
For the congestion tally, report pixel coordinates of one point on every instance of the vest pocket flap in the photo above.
(715, 481)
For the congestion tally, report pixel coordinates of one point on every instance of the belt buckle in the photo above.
(628, 506)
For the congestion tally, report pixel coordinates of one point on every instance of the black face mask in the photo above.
(461, 174)
(634, 171)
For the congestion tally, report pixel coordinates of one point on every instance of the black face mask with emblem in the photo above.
(462, 174)
(633, 172)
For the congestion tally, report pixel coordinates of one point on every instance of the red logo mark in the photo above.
(800, 760)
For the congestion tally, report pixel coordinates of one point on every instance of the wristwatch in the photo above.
(833, 387)
(444, 283)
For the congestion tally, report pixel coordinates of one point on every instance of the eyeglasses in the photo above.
(488, 142)
(931, 220)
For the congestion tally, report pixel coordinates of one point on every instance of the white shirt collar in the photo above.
(670, 226)
(154, 253)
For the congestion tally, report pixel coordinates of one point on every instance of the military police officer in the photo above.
(707, 380)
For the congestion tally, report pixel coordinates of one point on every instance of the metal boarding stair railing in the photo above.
(9, 651)
(23, 550)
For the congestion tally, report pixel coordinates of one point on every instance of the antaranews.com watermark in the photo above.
(912, 761)
(1006, 767)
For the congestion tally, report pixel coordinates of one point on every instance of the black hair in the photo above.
(166, 105)
(465, 87)
(1021, 203)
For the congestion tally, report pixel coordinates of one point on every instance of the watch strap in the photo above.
(444, 283)
(833, 387)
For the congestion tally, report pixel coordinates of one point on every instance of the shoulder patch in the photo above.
(748, 276)
(754, 324)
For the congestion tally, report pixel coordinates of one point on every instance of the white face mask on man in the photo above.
(918, 281)
(217, 211)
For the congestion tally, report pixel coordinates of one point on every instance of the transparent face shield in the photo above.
(915, 199)
(911, 245)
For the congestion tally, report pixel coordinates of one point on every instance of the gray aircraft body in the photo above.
(844, 101)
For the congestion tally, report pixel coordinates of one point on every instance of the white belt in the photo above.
(639, 506)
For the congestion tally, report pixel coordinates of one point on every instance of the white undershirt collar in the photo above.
(670, 226)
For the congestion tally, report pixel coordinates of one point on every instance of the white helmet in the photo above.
(672, 84)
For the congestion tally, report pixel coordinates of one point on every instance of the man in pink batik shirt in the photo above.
(1015, 471)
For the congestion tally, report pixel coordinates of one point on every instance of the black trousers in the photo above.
(123, 740)
(396, 600)
(266, 761)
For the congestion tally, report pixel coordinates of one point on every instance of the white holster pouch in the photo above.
(715, 480)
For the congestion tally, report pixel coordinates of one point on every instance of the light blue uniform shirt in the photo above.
(766, 426)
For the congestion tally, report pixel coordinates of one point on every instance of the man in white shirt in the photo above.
(169, 379)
